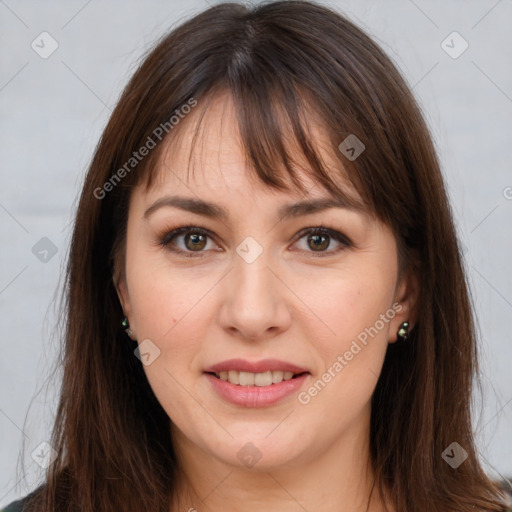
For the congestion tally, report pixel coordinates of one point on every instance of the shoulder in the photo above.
(20, 504)
(15, 506)
(505, 487)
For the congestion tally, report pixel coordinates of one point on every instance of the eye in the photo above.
(319, 238)
(195, 239)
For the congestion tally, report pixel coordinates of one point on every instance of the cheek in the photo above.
(173, 307)
(357, 311)
(163, 295)
(350, 305)
(169, 309)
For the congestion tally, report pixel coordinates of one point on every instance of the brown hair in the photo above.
(112, 436)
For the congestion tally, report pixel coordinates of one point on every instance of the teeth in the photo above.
(277, 376)
(234, 377)
(246, 379)
(254, 379)
(263, 379)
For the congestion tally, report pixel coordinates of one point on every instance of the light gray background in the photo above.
(52, 113)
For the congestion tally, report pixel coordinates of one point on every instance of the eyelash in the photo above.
(165, 239)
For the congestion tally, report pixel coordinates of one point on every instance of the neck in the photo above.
(341, 479)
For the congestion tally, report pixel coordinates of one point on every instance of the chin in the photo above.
(258, 453)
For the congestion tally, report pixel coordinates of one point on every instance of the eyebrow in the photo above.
(215, 211)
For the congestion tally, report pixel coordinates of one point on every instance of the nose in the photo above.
(254, 301)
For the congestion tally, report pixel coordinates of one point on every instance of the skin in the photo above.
(287, 304)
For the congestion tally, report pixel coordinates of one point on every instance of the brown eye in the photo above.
(186, 240)
(192, 241)
(320, 238)
(319, 242)
(195, 241)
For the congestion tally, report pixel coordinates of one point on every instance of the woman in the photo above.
(266, 306)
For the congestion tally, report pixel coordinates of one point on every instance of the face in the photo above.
(296, 318)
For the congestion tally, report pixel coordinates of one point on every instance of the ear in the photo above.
(122, 293)
(407, 296)
(121, 287)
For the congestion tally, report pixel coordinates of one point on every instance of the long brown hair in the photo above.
(279, 61)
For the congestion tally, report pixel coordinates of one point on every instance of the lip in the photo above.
(256, 396)
(264, 365)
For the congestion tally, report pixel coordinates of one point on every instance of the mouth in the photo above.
(261, 379)
(261, 383)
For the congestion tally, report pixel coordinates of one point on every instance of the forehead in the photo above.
(207, 155)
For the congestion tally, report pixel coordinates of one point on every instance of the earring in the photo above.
(402, 333)
(127, 330)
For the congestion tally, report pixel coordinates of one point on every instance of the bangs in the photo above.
(274, 129)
